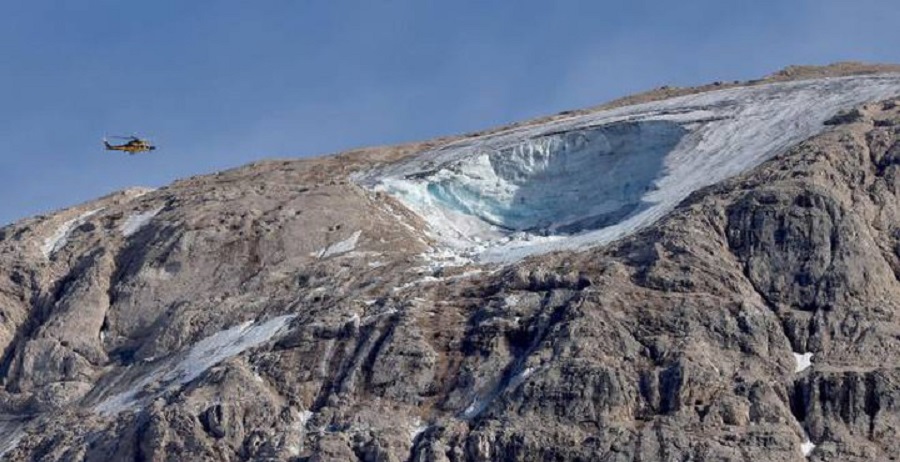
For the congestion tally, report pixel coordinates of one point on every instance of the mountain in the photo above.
(692, 274)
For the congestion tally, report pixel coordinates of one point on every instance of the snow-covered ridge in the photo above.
(590, 179)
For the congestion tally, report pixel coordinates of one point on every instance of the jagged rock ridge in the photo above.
(289, 311)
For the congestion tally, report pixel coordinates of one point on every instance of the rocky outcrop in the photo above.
(282, 312)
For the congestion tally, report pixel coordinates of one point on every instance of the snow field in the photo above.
(186, 367)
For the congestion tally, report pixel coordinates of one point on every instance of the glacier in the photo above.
(587, 180)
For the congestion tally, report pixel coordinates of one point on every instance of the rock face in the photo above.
(288, 311)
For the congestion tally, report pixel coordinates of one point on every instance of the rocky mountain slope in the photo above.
(705, 274)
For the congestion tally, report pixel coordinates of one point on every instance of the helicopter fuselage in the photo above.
(131, 147)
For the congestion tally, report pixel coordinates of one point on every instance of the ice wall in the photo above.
(590, 179)
(559, 183)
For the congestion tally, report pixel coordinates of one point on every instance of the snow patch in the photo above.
(372, 317)
(186, 367)
(591, 179)
(475, 409)
(807, 446)
(294, 439)
(140, 191)
(422, 280)
(521, 377)
(433, 279)
(60, 237)
(134, 223)
(326, 358)
(338, 248)
(442, 258)
(416, 429)
(10, 442)
(11, 433)
(304, 418)
(803, 361)
(482, 401)
(354, 321)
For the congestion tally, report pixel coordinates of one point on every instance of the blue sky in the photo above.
(217, 84)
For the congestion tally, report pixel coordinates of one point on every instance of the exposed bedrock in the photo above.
(280, 311)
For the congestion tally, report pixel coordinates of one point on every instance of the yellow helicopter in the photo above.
(133, 146)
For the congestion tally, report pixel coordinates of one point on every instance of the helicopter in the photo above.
(133, 146)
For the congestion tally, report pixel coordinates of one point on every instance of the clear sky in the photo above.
(217, 84)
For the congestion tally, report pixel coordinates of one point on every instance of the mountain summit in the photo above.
(704, 274)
